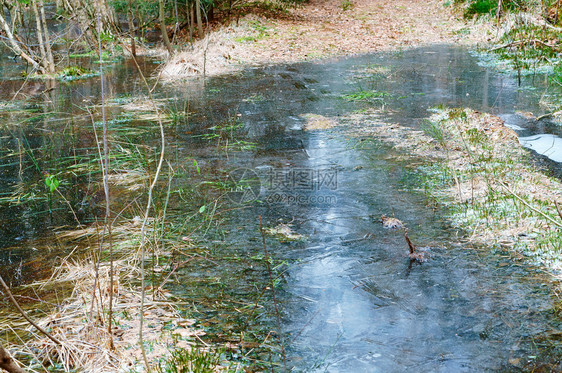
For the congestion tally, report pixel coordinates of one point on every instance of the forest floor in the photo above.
(344, 27)
(321, 29)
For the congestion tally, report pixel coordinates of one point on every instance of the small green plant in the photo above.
(255, 98)
(190, 361)
(260, 32)
(557, 75)
(434, 130)
(457, 113)
(346, 5)
(475, 136)
(259, 27)
(51, 182)
(365, 96)
(177, 116)
(224, 131)
(246, 39)
(107, 37)
(74, 73)
(480, 7)
(93, 54)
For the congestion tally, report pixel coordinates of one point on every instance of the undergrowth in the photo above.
(492, 190)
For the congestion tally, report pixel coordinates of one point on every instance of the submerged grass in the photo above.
(80, 319)
(70, 171)
(365, 96)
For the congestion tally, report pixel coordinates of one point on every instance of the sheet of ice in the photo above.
(545, 144)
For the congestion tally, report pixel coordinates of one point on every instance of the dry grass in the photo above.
(210, 56)
(478, 168)
(318, 122)
(80, 321)
(284, 232)
(83, 329)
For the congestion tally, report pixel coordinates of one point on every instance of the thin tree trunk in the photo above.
(199, 20)
(15, 46)
(39, 27)
(107, 217)
(229, 10)
(88, 14)
(132, 30)
(177, 23)
(15, 15)
(8, 363)
(191, 22)
(499, 12)
(107, 15)
(47, 38)
(86, 20)
(163, 28)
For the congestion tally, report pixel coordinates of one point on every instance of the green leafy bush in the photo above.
(480, 7)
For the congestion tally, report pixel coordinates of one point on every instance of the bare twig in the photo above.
(525, 42)
(176, 266)
(547, 115)
(531, 207)
(411, 246)
(142, 246)
(105, 169)
(558, 209)
(499, 12)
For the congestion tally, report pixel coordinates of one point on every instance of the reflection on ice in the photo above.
(545, 144)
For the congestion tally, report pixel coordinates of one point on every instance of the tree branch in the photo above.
(8, 363)
(20, 310)
(558, 209)
(531, 207)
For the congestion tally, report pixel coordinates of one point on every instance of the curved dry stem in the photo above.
(529, 206)
(24, 314)
(105, 170)
(143, 238)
